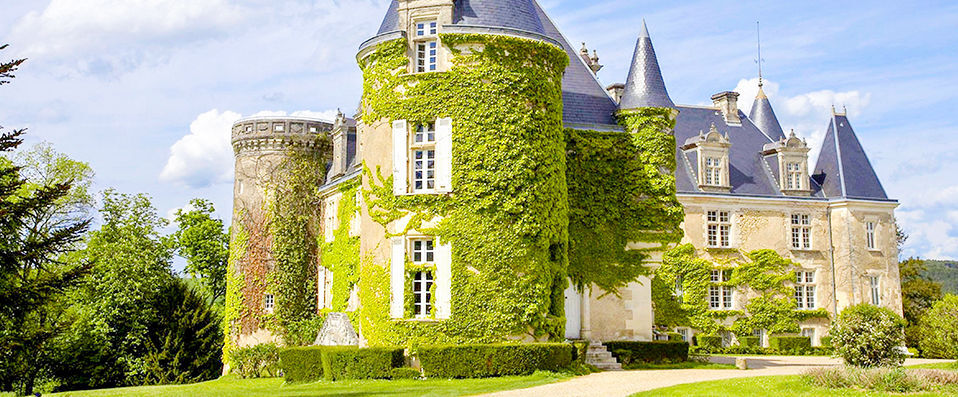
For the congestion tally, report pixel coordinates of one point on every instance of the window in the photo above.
(249, 128)
(870, 234)
(424, 158)
(760, 334)
(678, 287)
(426, 56)
(278, 128)
(268, 303)
(421, 292)
(793, 176)
(425, 133)
(426, 28)
(423, 251)
(713, 171)
(801, 232)
(876, 293)
(720, 296)
(809, 332)
(805, 289)
(719, 229)
(684, 332)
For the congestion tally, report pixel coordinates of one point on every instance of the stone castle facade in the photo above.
(743, 182)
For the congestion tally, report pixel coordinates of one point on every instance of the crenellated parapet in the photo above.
(279, 133)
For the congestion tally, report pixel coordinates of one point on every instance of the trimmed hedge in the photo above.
(749, 341)
(674, 336)
(302, 364)
(708, 341)
(258, 361)
(340, 362)
(826, 341)
(405, 373)
(481, 361)
(789, 343)
(658, 352)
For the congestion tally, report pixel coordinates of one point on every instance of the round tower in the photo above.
(465, 225)
(280, 162)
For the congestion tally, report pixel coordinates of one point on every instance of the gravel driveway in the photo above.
(624, 383)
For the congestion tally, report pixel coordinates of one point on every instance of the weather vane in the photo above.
(758, 34)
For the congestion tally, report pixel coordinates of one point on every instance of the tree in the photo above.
(865, 335)
(204, 243)
(42, 165)
(939, 329)
(918, 294)
(31, 279)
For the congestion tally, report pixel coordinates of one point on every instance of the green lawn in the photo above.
(949, 366)
(231, 386)
(779, 386)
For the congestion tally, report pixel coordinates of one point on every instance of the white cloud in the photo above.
(204, 157)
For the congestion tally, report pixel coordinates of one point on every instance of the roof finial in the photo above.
(844, 109)
(758, 34)
(645, 30)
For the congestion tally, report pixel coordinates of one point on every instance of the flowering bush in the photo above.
(869, 336)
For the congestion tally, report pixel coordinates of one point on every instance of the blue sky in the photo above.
(145, 90)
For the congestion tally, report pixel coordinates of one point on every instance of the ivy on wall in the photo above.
(507, 220)
(341, 256)
(763, 274)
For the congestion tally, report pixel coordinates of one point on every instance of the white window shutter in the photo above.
(444, 155)
(443, 280)
(397, 271)
(400, 161)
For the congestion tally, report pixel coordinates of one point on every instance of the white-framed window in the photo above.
(422, 294)
(713, 171)
(720, 296)
(422, 250)
(426, 55)
(679, 291)
(423, 158)
(425, 133)
(684, 332)
(330, 216)
(870, 234)
(719, 229)
(805, 289)
(809, 332)
(874, 282)
(801, 232)
(268, 303)
(793, 176)
(760, 334)
(426, 28)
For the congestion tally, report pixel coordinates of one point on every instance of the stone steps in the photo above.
(599, 356)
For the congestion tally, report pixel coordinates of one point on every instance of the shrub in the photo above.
(341, 362)
(939, 329)
(480, 361)
(896, 380)
(674, 336)
(580, 348)
(868, 336)
(255, 361)
(749, 341)
(658, 352)
(790, 343)
(709, 342)
(404, 373)
(302, 364)
(826, 341)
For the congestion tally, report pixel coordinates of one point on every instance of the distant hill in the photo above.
(944, 272)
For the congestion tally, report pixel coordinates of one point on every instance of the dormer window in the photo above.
(790, 157)
(711, 153)
(793, 175)
(426, 28)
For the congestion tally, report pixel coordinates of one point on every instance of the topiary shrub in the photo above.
(340, 362)
(794, 344)
(709, 342)
(865, 335)
(658, 352)
(938, 329)
(255, 361)
(749, 341)
(302, 364)
(405, 373)
(481, 361)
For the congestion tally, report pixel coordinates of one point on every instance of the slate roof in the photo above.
(513, 14)
(645, 86)
(843, 169)
(764, 118)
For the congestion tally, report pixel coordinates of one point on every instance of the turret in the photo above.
(645, 86)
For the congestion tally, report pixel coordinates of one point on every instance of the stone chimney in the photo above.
(615, 91)
(591, 61)
(340, 129)
(728, 102)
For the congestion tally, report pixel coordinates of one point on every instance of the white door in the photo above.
(573, 317)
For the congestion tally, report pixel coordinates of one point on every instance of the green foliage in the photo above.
(480, 361)
(203, 242)
(868, 336)
(708, 342)
(674, 336)
(405, 373)
(341, 256)
(894, 380)
(43, 166)
(303, 332)
(619, 193)
(789, 343)
(826, 341)
(255, 361)
(658, 352)
(507, 219)
(234, 307)
(944, 272)
(341, 362)
(185, 343)
(302, 364)
(939, 329)
(918, 293)
(749, 341)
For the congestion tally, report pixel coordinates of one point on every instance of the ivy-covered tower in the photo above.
(464, 223)
(280, 162)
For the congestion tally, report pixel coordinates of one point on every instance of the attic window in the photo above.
(426, 28)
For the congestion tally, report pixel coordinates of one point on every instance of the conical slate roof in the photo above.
(512, 14)
(843, 169)
(645, 86)
(764, 118)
